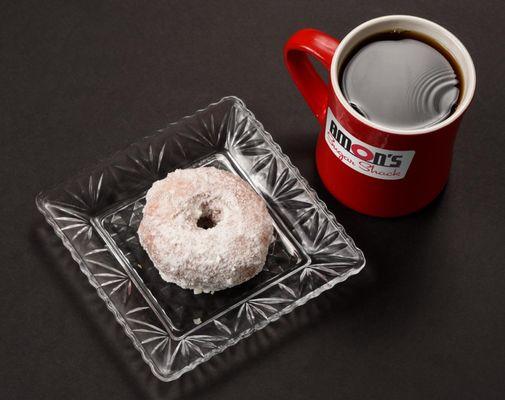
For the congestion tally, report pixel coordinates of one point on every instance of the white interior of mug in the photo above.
(407, 23)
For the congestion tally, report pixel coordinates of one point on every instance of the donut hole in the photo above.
(209, 218)
(205, 222)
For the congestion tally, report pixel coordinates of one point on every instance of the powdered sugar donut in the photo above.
(205, 229)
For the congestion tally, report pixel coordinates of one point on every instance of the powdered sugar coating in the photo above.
(225, 255)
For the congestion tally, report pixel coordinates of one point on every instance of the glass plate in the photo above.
(97, 214)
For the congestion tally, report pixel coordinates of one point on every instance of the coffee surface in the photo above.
(403, 83)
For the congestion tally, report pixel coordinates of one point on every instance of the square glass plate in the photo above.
(97, 214)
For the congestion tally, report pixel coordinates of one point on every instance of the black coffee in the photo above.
(401, 80)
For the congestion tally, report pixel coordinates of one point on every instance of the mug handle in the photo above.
(296, 51)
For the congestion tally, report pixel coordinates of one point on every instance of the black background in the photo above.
(80, 80)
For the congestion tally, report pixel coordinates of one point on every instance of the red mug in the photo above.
(371, 168)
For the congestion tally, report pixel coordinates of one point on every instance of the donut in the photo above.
(205, 229)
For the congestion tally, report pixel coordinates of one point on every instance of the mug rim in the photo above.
(470, 80)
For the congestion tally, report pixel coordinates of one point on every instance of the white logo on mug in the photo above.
(365, 158)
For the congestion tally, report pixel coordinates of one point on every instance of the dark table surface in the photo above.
(79, 80)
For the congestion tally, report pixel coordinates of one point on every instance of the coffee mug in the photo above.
(370, 168)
